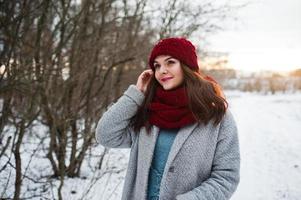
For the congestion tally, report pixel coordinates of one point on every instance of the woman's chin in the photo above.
(168, 87)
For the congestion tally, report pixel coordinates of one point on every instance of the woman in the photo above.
(183, 138)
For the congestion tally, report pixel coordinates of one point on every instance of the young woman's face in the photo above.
(168, 72)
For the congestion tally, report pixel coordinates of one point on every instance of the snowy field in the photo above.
(270, 141)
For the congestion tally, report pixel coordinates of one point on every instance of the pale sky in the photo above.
(266, 37)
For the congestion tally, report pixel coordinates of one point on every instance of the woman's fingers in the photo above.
(144, 79)
(147, 75)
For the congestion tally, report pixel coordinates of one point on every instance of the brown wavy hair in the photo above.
(206, 100)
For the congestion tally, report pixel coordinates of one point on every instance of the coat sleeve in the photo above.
(225, 176)
(113, 128)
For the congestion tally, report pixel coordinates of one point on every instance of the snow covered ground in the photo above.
(270, 141)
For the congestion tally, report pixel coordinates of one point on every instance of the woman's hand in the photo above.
(144, 79)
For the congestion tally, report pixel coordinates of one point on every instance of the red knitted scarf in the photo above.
(169, 108)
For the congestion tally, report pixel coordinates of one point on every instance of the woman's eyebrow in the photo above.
(164, 59)
(168, 58)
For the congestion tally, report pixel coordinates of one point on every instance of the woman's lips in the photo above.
(166, 79)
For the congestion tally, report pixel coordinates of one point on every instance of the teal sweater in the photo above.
(162, 148)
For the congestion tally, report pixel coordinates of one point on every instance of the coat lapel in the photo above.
(146, 147)
(181, 137)
(147, 144)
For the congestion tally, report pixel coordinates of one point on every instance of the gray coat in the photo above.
(203, 163)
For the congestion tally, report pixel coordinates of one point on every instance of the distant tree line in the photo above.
(264, 82)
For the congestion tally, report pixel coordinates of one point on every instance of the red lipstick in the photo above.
(166, 79)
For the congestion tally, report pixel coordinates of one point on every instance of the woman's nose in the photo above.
(163, 69)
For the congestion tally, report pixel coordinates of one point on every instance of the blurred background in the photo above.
(63, 62)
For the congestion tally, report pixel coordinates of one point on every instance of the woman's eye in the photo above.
(156, 66)
(171, 62)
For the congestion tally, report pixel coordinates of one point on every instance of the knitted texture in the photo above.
(169, 108)
(179, 48)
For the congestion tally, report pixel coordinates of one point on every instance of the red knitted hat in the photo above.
(179, 48)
